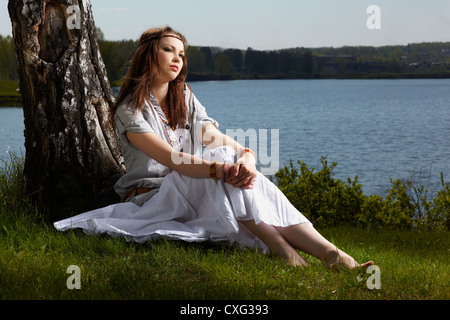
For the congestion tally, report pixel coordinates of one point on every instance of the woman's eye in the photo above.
(167, 49)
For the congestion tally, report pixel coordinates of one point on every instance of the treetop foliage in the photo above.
(205, 63)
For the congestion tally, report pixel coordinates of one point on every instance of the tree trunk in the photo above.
(73, 157)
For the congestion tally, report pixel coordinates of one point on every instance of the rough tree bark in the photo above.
(72, 152)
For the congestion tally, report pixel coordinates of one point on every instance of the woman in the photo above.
(177, 189)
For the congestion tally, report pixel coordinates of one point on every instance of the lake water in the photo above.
(376, 129)
(11, 132)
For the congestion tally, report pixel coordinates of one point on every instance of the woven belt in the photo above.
(136, 191)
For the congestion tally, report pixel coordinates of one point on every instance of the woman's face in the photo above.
(170, 58)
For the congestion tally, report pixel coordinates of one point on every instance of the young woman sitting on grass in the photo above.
(177, 189)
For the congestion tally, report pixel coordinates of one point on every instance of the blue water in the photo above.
(11, 132)
(376, 129)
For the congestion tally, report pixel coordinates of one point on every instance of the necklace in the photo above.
(170, 131)
(167, 120)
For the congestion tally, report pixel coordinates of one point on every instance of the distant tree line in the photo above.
(207, 62)
(8, 61)
(213, 63)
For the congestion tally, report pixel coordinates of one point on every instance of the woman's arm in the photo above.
(159, 150)
(213, 138)
(243, 173)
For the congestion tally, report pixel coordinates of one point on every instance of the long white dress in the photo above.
(180, 207)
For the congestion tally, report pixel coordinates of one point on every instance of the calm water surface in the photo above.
(376, 129)
(11, 132)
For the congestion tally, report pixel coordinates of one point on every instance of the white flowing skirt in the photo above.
(193, 210)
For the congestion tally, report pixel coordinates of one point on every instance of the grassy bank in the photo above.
(34, 261)
(34, 258)
(9, 96)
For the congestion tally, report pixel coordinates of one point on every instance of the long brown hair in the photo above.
(144, 69)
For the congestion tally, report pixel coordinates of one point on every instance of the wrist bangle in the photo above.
(226, 169)
(246, 150)
(212, 170)
(216, 170)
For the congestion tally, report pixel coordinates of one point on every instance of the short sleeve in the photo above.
(199, 119)
(128, 120)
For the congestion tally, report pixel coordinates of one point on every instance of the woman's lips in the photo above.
(174, 68)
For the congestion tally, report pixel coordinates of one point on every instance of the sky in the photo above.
(273, 24)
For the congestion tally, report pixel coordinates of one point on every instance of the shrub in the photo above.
(327, 201)
(439, 216)
(397, 209)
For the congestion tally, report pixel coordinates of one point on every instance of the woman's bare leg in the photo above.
(276, 242)
(306, 238)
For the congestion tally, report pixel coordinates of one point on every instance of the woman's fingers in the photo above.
(233, 172)
(242, 176)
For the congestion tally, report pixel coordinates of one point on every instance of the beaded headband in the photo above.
(150, 39)
(163, 36)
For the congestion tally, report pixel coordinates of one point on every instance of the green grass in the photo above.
(9, 88)
(9, 96)
(34, 258)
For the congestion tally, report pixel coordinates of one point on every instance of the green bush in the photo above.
(439, 217)
(328, 201)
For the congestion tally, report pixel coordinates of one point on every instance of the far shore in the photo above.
(10, 102)
(10, 97)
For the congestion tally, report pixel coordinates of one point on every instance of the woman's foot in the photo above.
(291, 256)
(337, 260)
(297, 261)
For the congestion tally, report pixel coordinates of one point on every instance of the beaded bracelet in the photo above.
(246, 150)
(226, 171)
(212, 170)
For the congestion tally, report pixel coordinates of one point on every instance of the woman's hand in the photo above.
(243, 173)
